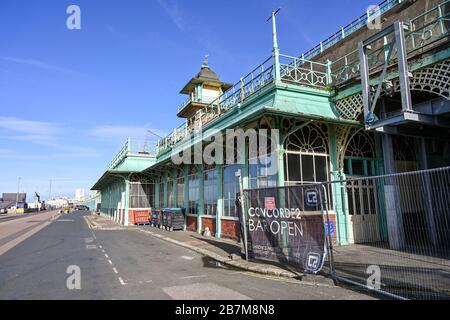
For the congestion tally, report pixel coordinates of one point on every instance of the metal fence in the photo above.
(389, 234)
(392, 233)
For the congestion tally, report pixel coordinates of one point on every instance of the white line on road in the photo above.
(192, 277)
(88, 240)
(121, 281)
(187, 258)
(115, 270)
(106, 256)
(110, 262)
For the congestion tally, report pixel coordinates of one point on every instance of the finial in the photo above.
(205, 63)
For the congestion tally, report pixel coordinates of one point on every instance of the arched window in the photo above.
(360, 154)
(142, 192)
(307, 157)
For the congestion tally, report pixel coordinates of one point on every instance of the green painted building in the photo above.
(328, 125)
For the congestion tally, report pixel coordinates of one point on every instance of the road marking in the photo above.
(192, 277)
(110, 262)
(121, 281)
(100, 247)
(65, 220)
(88, 240)
(106, 256)
(187, 258)
(91, 246)
(115, 270)
(103, 250)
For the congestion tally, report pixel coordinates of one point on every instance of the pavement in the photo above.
(69, 259)
(225, 251)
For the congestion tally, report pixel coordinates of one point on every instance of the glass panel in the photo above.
(293, 167)
(308, 168)
(210, 192)
(358, 167)
(321, 168)
(230, 189)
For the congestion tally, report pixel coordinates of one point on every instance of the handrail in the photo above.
(131, 147)
(348, 65)
(349, 29)
(202, 99)
(299, 70)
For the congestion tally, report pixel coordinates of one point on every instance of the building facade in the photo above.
(367, 101)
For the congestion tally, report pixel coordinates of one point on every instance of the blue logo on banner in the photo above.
(329, 228)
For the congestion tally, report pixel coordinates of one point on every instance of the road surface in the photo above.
(40, 257)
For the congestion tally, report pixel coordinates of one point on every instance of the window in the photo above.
(193, 192)
(230, 189)
(170, 200)
(360, 161)
(210, 192)
(161, 192)
(360, 154)
(306, 158)
(180, 189)
(142, 195)
(263, 171)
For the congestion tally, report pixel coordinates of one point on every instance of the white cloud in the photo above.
(174, 12)
(28, 127)
(36, 64)
(41, 133)
(122, 133)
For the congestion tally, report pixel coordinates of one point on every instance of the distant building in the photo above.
(9, 199)
(79, 195)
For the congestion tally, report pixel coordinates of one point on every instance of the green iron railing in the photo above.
(424, 30)
(429, 27)
(132, 147)
(349, 29)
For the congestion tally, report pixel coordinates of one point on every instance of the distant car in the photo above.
(3, 210)
(81, 208)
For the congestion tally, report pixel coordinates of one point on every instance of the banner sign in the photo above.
(286, 225)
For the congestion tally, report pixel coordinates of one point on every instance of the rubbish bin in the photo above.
(173, 218)
(155, 219)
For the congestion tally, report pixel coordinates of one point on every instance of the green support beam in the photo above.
(219, 212)
(338, 191)
(200, 198)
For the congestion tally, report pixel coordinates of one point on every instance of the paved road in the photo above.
(126, 264)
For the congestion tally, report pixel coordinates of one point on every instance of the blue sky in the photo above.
(70, 98)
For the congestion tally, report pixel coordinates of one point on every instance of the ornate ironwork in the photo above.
(312, 138)
(434, 79)
(350, 108)
(361, 144)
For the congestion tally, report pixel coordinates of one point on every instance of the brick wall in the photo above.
(191, 223)
(230, 229)
(210, 223)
